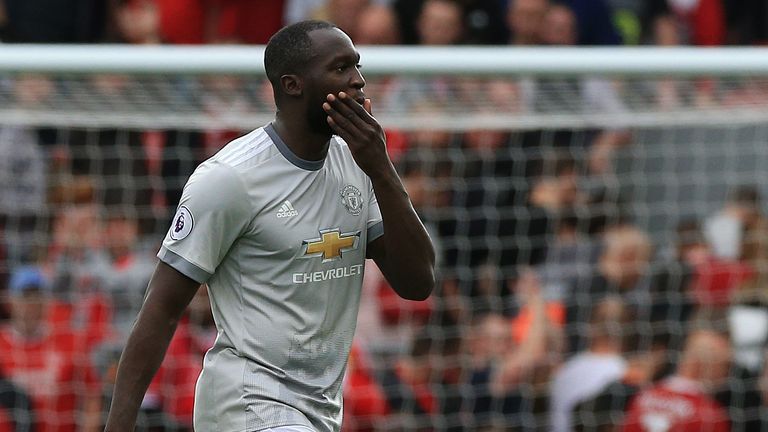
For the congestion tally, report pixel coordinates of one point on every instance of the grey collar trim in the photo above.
(288, 154)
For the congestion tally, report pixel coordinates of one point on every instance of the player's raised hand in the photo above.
(354, 123)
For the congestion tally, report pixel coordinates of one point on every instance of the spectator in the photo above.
(247, 21)
(186, 21)
(677, 22)
(585, 95)
(747, 22)
(489, 343)
(3, 22)
(735, 231)
(554, 196)
(670, 289)
(605, 411)
(571, 256)
(763, 388)
(595, 22)
(49, 364)
(343, 13)
(365, 405)
(509, 235)
(125, 277)
(377, 25)
(23, 180)
(441, 22)
(197, 21)
(138, 22)
(421, 387)
(300, 10)
(627, 16)
(560, 26)
(512, 361)
(114, 158)
(53, 21)
(16, 414)
(482, 21)
(682, 402)
(74, 261)
(525, 19)
(748, 323)
(621, 270)
(586, 374)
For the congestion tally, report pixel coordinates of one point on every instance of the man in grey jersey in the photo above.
(278, 225)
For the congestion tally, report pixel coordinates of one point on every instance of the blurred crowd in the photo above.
(555, 310)
(426, 22)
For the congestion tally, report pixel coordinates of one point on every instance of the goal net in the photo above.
(594, 211)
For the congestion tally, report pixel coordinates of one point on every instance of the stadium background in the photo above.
(546, 193)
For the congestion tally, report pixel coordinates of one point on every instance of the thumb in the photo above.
(367, 106)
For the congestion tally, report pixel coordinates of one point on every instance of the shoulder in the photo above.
(340, 156)
(244, 148)
(215, 187)
(337, 144)
(215, 176)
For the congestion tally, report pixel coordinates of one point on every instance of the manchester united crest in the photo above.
(352, 199)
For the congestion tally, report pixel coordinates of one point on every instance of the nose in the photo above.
(357, 80)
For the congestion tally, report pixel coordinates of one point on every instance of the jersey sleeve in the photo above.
(375, 225)
(214, 211)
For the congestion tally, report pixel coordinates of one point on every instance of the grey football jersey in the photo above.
(281, 243)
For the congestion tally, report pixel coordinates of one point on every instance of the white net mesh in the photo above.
(544, 195)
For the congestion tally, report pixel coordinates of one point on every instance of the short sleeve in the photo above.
(214, 211)
(375, 225)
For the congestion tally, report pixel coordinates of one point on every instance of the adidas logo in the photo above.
(287, 210)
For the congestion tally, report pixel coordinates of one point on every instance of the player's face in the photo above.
(334, 68)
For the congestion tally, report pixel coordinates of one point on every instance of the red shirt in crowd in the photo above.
(6, 423)
(202, 21)
(54, 371)
(675, 405)
(364, 399)
(715, 280)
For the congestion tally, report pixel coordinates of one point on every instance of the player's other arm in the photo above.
(168, 295)
(404, 253)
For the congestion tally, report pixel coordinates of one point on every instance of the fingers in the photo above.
(350, 109)
(340, 124)
(340, 131)
(367, 106)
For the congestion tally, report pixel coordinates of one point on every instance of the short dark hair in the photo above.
(290, 49)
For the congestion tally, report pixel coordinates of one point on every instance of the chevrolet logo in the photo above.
(330, 245)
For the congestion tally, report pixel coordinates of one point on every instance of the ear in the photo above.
(292, 85)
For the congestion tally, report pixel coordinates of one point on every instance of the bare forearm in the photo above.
(139, 362)
(169, 294)
(409, 260)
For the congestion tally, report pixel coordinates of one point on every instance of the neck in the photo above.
(638, 372)
(687, 371)
(602, 347)
(300, 138)
(29, 332)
